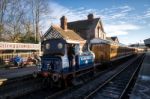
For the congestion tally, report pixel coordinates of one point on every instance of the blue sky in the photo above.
(127, 19)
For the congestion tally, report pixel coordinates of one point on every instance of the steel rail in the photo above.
(121, 96)
(110, 79)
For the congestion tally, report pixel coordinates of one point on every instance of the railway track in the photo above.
(33, 89)
(45, 93)
(19, 86)
(79, 92)
(116, 86)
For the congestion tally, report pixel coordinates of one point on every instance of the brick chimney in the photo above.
(63, 23)
(90, 17)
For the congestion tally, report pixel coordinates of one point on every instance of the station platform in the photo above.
(11, 73)
(141, 89)
(6, 74)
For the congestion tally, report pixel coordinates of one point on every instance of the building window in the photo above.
(98, 32)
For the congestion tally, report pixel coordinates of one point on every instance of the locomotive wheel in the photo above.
(92, 73)
(62, 84)
(47, 82)
(59, 84)
(69, 80)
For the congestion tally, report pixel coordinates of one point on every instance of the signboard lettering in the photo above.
(19, 46)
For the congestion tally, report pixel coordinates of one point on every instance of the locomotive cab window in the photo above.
(71, 49)
(85, 48)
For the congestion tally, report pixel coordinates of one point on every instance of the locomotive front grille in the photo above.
(51, 64)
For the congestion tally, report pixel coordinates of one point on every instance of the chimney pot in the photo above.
(90, 17)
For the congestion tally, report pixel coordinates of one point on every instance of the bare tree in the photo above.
(14, 17)
(21, 18)
(3, 5)
(39, 8)
(2, 9)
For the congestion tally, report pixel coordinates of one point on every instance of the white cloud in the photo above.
(57, 11)
(147, 13)
(118, 15)
(142, 16)
(117, 21)
(115, 12)
(71, 14)
(119, 29)
(108, 15)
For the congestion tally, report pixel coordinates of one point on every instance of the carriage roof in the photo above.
(102, 41)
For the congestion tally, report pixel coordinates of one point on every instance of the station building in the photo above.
(88, 29)
(68, 35)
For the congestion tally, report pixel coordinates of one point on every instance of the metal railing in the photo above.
(6, 57)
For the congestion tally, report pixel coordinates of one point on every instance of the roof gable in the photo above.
(84, 24)
(114, 39)
(52, 34)
(55, 32)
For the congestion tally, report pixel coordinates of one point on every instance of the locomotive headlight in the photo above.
(60, 45)
(49, 66)
(47, 46)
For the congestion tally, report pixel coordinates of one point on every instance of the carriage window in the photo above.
(98, 29)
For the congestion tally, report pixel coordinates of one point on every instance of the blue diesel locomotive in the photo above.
(62, 61)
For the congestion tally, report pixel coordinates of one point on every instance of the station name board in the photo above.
(19, 46)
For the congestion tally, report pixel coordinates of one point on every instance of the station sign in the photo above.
(19, 46)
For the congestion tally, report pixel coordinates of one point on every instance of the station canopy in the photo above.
(147, 42)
